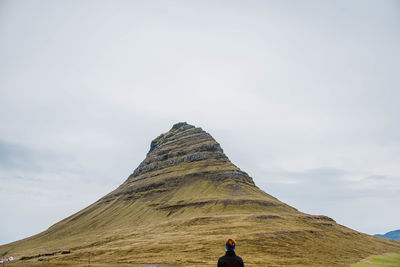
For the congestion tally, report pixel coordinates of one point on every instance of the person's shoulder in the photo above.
(221, 260)
(239, 258)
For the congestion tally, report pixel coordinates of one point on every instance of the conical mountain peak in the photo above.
(180, 156)
(184, 143)
(179, 206)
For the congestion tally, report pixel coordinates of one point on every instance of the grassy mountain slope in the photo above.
(180, 205)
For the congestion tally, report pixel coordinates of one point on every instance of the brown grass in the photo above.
(182, 215)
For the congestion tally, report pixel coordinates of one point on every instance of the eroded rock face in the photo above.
(183, 153)
(183, 143)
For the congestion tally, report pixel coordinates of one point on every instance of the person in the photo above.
(230, 259)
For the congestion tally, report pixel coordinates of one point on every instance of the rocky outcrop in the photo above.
(183, 143)
(181, 154)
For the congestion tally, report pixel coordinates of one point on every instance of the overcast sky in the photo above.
(302, 95)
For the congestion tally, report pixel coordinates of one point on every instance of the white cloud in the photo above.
(302, 96)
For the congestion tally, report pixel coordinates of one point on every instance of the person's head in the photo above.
(230, 244)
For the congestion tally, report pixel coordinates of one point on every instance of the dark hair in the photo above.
(230, 243)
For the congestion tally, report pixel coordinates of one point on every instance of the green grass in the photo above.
(390, 260)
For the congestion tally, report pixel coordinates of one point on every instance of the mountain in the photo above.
(394, 235)
(181, 204)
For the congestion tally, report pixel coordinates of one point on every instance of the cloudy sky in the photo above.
(302, 95)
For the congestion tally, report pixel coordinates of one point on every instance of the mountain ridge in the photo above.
(394, 235)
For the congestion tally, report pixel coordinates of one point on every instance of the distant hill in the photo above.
(181, 204)
(395, 235)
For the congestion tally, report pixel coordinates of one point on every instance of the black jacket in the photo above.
(230, 260)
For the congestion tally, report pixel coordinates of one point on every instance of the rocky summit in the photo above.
(188, 157)
(180, 205)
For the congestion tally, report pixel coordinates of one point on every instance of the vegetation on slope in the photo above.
(388, 260)
(181, 204)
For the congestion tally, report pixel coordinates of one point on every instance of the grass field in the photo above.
(389, 260)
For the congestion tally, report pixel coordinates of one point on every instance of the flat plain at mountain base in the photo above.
(387, 260)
